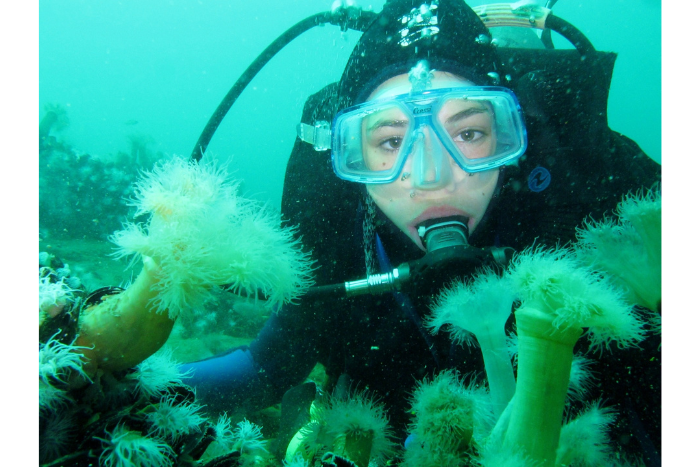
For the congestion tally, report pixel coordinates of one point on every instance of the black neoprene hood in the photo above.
(446, 33)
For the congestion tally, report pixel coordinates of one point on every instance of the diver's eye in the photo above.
(469, 136)
(391, 143)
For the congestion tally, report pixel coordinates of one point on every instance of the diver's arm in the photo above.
(255, 377)
(229, 379)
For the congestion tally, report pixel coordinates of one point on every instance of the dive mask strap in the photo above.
(318, 134)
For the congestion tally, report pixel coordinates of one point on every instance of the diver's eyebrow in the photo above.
(390, 123)
(465, 113)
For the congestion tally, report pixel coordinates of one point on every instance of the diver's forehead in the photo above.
(401, 85)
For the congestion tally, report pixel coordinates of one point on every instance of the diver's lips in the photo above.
(437, 212)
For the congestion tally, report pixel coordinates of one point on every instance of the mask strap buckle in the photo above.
(318, 134)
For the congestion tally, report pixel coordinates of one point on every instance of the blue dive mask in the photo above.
(480, 128)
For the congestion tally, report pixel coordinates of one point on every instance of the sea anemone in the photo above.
(354, 426)
(444, 411)
(121, 330)
(559, 297)
(360, 423)
(248, 436)
(313, 438)
(449, 419)
(157, 373)
(495, 455)
(248, 441)
(170, 420)
(481, 308)
(203, 235)
(225, 440)
(644, 213)
(126, 448)
(199, 236)
(57, 360)
(420, 454)
(572, 296)
(52, 398)
(628, 249)
(584, 440)
(57, 432)
(53, 296)
(581, 378)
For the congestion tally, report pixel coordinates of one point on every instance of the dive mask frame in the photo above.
(420, 110)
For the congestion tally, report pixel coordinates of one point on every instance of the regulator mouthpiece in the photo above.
(444, 232)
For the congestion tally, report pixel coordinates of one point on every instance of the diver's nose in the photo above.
(431, 168)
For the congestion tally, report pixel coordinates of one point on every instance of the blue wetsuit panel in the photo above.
(234, 380)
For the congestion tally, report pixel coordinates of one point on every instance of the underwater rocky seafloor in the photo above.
(142, 412)
(78, 424)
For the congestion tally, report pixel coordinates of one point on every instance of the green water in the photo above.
(159, 68)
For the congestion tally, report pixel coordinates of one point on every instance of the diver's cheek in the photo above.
(390, 192)
(475, 198)
(458, 174)
(483, 181)
(397, 206)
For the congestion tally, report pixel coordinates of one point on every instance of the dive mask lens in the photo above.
(482, 128)
(369, 141)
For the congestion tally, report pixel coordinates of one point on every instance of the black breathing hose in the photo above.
(353, 19)
(248, 75)
(546, 37)
(573, 35)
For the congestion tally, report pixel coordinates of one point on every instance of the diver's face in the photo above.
(408, 202)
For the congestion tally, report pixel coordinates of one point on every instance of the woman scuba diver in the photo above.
(436, 153)
(429, 123)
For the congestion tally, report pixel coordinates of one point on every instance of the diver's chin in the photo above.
(472, 223)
